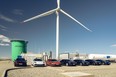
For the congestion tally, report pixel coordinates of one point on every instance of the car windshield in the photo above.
(107, 61)
(78, 60)
(90, 60)
(65, 60)
(100, 60)
(53, 60)
(37, 60)
(82, 61)
(20, 59)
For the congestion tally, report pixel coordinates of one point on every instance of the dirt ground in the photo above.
(5, 65)
(97, 71)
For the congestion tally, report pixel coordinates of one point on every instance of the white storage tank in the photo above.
(102, 56)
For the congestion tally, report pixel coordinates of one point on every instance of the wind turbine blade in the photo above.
(58, 3)
(41, 15)
(75, 20)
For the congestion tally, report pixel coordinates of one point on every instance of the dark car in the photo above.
(93, 62)
(81, 62)
(20, 62)
(68, 62)
(104, 62)
(53, 62)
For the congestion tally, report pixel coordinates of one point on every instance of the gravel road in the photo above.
(98, 71)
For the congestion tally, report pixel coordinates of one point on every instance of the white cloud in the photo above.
(114, 45)
(1, 44)
(6, 18)
(2, 36)
(4, 41)
(17, 12)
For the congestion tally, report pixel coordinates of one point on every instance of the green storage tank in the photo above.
(18, 47)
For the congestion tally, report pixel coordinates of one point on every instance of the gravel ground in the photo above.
(98, 71)
(5, 65)
(34, 72)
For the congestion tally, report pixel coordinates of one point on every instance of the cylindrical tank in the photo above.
(18, 47)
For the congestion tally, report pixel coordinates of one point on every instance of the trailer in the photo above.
(111, 57)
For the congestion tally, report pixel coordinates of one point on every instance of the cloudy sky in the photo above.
(97, 15)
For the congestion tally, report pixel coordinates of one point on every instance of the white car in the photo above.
(38, 62)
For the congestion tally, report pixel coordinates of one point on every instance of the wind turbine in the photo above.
(57, 10)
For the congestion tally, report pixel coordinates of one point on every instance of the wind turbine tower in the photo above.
(57, 10)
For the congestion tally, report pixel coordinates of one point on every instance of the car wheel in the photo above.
(32, 65)
(67, 64)
(81, 64)
(25, 64)
(45, 64)
(94, 64)
(15, 65)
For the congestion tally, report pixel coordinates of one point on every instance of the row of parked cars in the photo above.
(63, 62)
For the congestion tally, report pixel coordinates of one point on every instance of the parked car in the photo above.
(104, 62)
(53, 62)
(38, 62)
(68, 62)
(81, 62)
(20, 62)
(93, 62)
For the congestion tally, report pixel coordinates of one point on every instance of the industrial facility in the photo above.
(31, 56)
(110, 57)
(19, 48)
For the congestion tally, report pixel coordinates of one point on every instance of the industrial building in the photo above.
(30, 56)
(110, 57)
(19, 48)
(73, 56)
